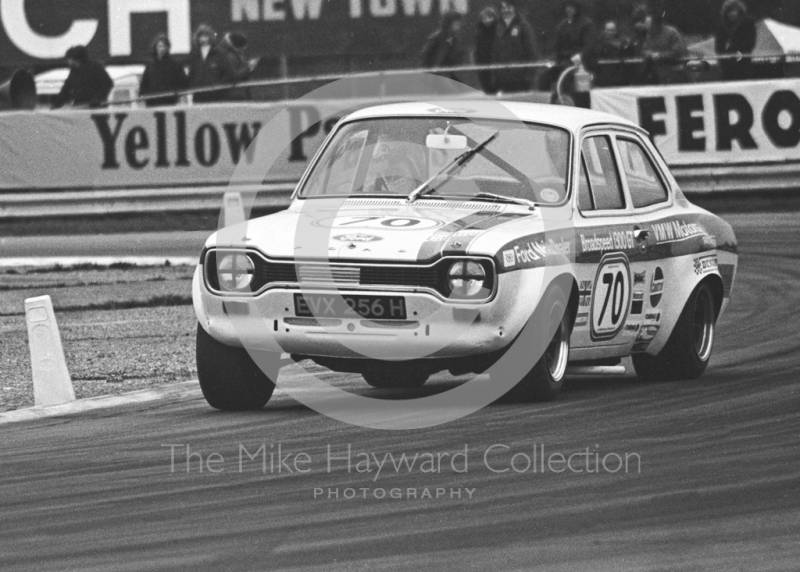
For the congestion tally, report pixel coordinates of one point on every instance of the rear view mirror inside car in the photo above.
(446, 141)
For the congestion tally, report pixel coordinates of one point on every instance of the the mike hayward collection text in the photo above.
(496, 458)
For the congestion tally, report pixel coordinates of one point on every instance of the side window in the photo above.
(602, 173)
(585, 201)
(645, 186)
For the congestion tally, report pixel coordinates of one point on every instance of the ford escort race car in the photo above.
(427, 237)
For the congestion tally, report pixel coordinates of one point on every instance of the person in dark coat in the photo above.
(663, 50)
(514, 43)
(442, 50)
(88, 83)
(610, 46)
(234, 66)
(484, 47)
(736, 34)
(205, 65)
(574, 35)
(163, 74)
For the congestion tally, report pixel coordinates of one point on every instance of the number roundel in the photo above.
(611, 296)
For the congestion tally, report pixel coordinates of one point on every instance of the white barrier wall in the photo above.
(716, 137)
(714, 124)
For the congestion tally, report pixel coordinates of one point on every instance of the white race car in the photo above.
(427, 237)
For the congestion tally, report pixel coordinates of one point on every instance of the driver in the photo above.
(396, 168)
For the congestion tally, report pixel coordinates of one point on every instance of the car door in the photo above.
(652, 200)
(608, 270)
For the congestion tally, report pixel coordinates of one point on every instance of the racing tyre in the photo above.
(389, 376)
(546, 379)
(230, 379)
(688, 350)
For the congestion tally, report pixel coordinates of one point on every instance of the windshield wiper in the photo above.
(456, 163)
(515, 200)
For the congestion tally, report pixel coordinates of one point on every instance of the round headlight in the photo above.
(235, 272)
(466, 279)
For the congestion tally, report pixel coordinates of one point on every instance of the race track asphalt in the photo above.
(718, 489)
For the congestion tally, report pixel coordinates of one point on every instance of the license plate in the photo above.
(349, 306)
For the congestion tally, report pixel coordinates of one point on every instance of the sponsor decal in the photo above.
(357, 237)
(617, 240)
(647, 333)
(611, 297)
(639, 277)
(533, 251)
(582, 319)
(584, 293)
(509, 259)
(705, 264)
(631, 327)
(656, 287)
(549, 195)
(637, 303)
(653, 317)
(675, 230)
(456, 110)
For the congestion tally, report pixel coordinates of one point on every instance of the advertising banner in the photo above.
(714, 123)
(118, 31)
(156, 147)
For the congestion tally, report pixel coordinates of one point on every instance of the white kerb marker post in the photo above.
(234, 209)
(52, 384)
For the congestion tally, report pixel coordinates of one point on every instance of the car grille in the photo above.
(271, 272)
(345, 275)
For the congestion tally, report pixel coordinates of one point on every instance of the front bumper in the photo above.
(433, 329)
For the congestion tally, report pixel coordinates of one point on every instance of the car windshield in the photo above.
(395, 156)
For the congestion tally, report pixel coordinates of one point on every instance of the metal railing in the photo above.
(385, 75)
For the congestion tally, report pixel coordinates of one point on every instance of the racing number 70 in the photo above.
(615, 293)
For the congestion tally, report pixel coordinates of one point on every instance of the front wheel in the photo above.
(546, 378)
(688, 350)
(230, 379)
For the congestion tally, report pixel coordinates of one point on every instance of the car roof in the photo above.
(571, 118)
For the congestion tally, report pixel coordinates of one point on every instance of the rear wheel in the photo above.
(230, 379)
(388, 376)
(688, 350)
(546, 379)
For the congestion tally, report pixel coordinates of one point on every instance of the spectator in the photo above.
(484, 47)
(88, 83)
(610, 46)
(640, 22)
(662, 50)
(574, 36)
(234, 67)
(162, 75)
(442, 49)
(205, 67)
(736, 34)
(513, 45)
